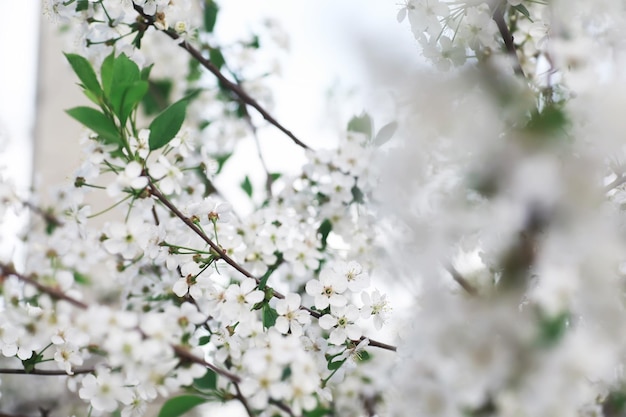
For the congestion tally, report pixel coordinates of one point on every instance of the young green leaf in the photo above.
(246, 186)
(125, 74)
(98, 122)
(106, 73)
(269, 315)
(216, 57)
(361, 124)
(523, 10)
(167, 124)
(158, 97)
(177, 406)
(85, 72)
(132, 96)
(207, 382)
(324, 230)
(210, 15)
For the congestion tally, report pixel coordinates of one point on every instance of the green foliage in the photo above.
(178, 406)
(552, 328)
(81, 278)
(246, 186)
(207, 383)
(317, 412)
(29, 364)
(158, 96)
(86, 74)
(269, 315)
(82, 5)
(98, 122)
(221, 160)
(324, 230)
(128, 89)
(614, 405)
(167, 124)
(523, 10)
(361, 124)
(216, 57)
(333, 366)
(210, 15)
(106, 73)
(549, 121)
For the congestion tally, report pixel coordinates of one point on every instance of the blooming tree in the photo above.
(494, 198)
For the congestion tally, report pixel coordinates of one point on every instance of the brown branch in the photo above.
(180, 351)
(236, 89)
(243, 401)
(45, 372)
(183, 353)
(6, 270)
(615, 183)
(460, 279)
(507, 37)
(230, 261)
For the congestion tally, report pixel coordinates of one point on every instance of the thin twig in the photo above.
(498, 17)
(180, 351)
(243, 401)
(230, 261)
(245, 97)
(615, 183)
(461, 280)
(6, 270)
(49, 372)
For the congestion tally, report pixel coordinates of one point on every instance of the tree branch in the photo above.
(498, 17)
(6, 270)
(460, 279)
(46, 372)
(230, 261)
(245, 97)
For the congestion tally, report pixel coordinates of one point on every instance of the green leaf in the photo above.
(221, 160)
(361, 124)
(357, 194)
(317, 412)
(385, 133)
(551, 120)
(552, 329)
(85, 72)
(523, 10)
(81, 279)
(98, 122)
(269, 315)
(132, 96)
(125, 74)
(106, 73)
(246, 186)
(204, 340)
(216, 57)
(158, 97)
(167, 124)
(82, 5)
(335, 365)
(324, 230)
(207, 382)
(178, 406)
(145, 72)
(210, 15)
(275, 175)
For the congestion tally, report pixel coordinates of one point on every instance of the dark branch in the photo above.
(498, 17)
(461, 281)
(245, 97)
(45, 372)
